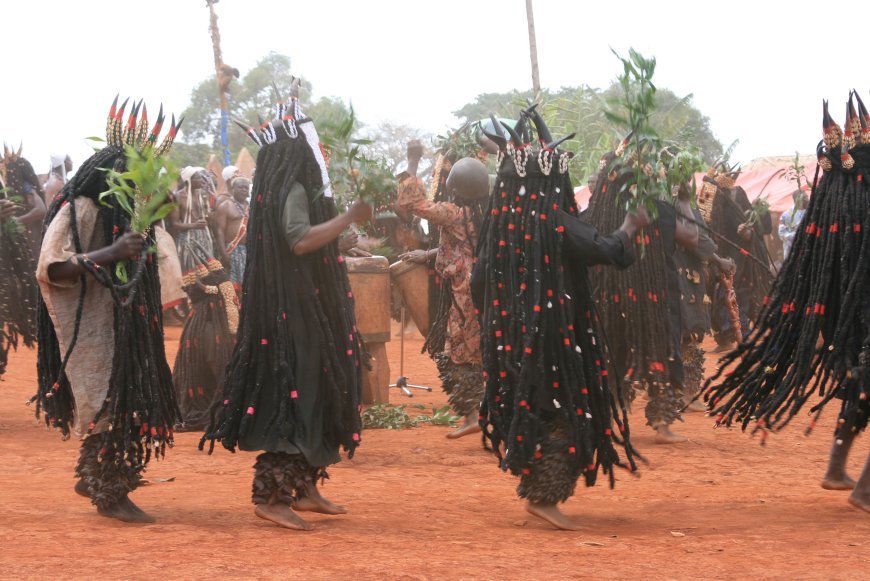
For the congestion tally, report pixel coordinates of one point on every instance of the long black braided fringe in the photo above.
(543, 358)
(264, 357)
(140, 404)
(820, 295)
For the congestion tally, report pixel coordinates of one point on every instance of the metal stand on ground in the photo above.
(402, 382)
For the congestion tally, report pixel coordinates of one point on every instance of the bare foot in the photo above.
(858, 502)
(552, 514)
(842, 482)
(124, 510)
(664, 435)
(315, 502)
(82, 489)
(281, 515)
(471, 426)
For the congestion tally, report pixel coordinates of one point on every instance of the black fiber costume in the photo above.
(640, 306)
(18, 290)
(22, 182)
(548, 400)
(206, 342)
(822, 292)
(139, 405)
(752, 279)
(694, 307)
(292, 385)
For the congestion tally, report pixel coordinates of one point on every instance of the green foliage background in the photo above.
(581, 109)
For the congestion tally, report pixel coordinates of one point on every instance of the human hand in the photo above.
(347, 241)
(7, 208)
(415, 150)
(128, 246)
(637, 219)
(360, 212)
(200, 224)
(726, 265)
(416, 256)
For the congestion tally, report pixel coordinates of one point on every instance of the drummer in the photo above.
(459, 220)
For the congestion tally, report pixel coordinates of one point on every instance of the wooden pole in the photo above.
(533, 51)
(218, 65)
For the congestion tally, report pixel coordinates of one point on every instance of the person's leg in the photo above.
(465, 391)
(463, 385)
(108, 483)
(693, 362)
(662, 409)
(860, 496)
(836, 478)
(274, 491)
(720, 317)
(308, 496)
(550, 480)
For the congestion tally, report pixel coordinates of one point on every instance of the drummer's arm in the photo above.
(412, 197)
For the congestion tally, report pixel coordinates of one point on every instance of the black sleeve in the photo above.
(585, 245)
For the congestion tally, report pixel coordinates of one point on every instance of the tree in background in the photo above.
(252, 95)
(389, 142)
(582, 110)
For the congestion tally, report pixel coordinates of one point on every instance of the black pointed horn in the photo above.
(512, 132)
(497, 136)
(544, 134)
(496, 127)
(522, 127)
(557, 143)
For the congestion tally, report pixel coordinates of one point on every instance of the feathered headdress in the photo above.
(136, 132)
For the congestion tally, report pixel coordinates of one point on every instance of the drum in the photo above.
(413, 280)
(370, 283)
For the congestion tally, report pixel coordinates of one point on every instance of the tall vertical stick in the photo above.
(218, 65)
(533, 51)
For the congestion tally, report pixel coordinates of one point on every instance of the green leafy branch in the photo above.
(394, 417)
(645, 171)
(351, 172)
(796, 172)
(142, 191)
(11, 227)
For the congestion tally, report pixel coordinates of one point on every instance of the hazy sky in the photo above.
(759, 70)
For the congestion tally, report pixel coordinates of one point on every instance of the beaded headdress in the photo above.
(289, 121)
(837, 143)
(526, 156)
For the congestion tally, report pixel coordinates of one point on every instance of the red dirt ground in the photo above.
(424, 507)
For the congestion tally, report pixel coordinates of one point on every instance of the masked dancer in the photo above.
(549, 412)
(293, 383)
(812, 341)
(101, 363)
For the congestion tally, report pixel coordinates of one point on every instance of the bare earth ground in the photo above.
(424, 507)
